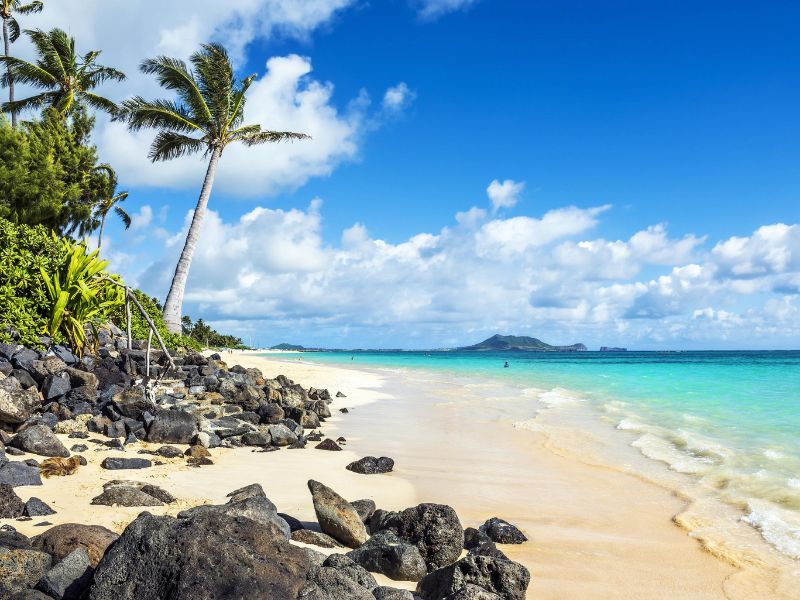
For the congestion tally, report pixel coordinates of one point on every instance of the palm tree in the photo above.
(11, 34)
(66, 77)
(109, 202)
(206, 117)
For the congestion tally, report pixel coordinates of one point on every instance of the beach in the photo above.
(594, 531)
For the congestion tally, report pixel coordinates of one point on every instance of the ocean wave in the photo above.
(780, 528)
(557, 397)
(660, 449)
(628, 424)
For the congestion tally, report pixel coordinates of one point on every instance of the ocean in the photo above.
(729, 422)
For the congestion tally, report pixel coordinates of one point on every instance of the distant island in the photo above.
(519, 343)
(612, 349)
(286, 346)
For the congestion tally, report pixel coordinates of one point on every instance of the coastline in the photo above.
(595, 532)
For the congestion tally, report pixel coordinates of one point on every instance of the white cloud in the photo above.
(432, 9)
(505, 194)
(398, 97)
(271, 271)
(142, 218)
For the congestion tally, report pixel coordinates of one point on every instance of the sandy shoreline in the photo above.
(594, 532)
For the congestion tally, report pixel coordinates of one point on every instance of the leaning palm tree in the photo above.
(8, 8)
(207, 116)
(66, 78)
(110, 202)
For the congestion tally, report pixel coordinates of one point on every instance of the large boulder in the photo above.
(370, 465)
(40, 440)
(210, 555)
(507, 579)
(503, 532)
(172, 427)
(473, 592)
(55, 386)
(250, 502)
(336, 516)
(281, 435)
(18, 473)
(133, 402)
(387, 554)
(61, 540)
(69, 578)
(327, 583)
(357, 573)
(125, 495)
(434, 529)
(21, 568)
(11, 505)
(17, 405)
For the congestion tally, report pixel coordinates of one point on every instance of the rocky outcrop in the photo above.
(40, 439)
(507, 579)
(434, 529)
(387, 554)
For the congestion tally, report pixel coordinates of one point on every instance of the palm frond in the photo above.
(29, 9)
(13, 29)
(216, 81)
(32, 103)
(173, 74)
(238, 102)
(24, 72)
(124, 217)
(265, 137)
(169, 144)
(100, 103)
(97, 75)
(48, 47)
(160, 113)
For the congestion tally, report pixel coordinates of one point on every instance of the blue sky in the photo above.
(670, 127)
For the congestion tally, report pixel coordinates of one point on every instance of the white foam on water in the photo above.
(774, 454)
(557, 397)
(658, 448)
(529, 425)
(702, 447)
(629, 424)
(794, 483)
(779, 527)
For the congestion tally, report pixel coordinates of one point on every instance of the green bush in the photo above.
(24, 302)
(140, 328)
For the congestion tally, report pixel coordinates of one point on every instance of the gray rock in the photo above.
(357, 573)
(389, 593)
(55, 386)
(389, 555)
(24, 378)
(487, 549)
(69, 578)
(40, 440)
(250, 502)
(173, 427)
(328, 444)
(133, 402)
(315, 538)
(336, 516)
(60, 540)
(434, 529)
(16, 405)
(331, 584)
(281, 435)
(315, 558)
(16, 474)
(364, 508)
(210, 555)
(11, 505)
(503, 532)
(294, 524)
(256, 438)
(474, 537)
(30, 595)
(119, 495)
(507, 579)
(169, 452)
(270, 414)
(35, 507)
(160, 493)
(207, 439)
(125, 463)
(473, 592)
(370, 465)
(21, 568)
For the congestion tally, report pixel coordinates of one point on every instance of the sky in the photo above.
(612, 172)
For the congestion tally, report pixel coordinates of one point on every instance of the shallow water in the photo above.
(730, 421)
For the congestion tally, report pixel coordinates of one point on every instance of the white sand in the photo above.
(594, 532)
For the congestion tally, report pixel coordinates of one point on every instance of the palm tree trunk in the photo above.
(100, 235)
(7, 44)
(172, 307)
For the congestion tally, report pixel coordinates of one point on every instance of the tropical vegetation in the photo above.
(11, 31)
(207, 117)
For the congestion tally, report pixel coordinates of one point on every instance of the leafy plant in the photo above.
(80, 295)
(8, 8)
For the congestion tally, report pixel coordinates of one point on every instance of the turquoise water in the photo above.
(728, 419)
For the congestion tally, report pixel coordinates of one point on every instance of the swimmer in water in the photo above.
(505, 366)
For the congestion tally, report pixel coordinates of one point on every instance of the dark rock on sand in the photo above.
(60, 540)
(503, 532)
(17, 405)
(370, 465)
(387, 554)
(434, 529)
(125, 495)
(169, 452)
(55, 386)
(315, 538)
(21, 568)
(79, 448)
(34, 507)
(197, 451)
(389, 593)
(11, 505)
(488, 549)
(340, 395)
(281, 435)
(364, 508)
(40, 440)
(474, 537)
(327, 583)
(69, 578)
(505, 578)
(172, 427)
(328, 444)
(294, 524)
(336, 516)
(133, 402)
(210, 555)
(344, 411)
(250, 502)
(256, 438)
(17, 473)
(346, 566)
(473, 592)
(125, 463)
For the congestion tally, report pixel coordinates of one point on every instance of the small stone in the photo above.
(197, 451)
(328, 444)
(503, 532)
(169, 452)
(34, 507)
(79, 448)
(389, 593)
(125, 463)
(340, 395)
(370, 465)
(344, 411)
(364, 508)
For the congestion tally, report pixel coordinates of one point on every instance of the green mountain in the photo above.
(520, 343)
(285, 346)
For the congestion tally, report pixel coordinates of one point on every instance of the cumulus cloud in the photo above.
(433, 9)
(272, 271)
(398, 97)
(505, 194)
(142, 218)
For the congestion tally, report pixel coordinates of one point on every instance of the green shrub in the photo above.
(24, 302)
(140, 328)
